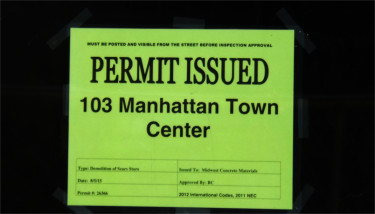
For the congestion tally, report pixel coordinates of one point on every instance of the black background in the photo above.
(335, 156)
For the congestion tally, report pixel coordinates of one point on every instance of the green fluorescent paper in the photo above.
(181, 118)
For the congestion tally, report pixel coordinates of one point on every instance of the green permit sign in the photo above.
(181, 118)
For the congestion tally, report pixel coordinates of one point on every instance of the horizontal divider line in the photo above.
(173, 160)
(125, 171)
(178, 197)
(178, 184)
(185, 172)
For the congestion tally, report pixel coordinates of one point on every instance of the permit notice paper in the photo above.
(181, 118)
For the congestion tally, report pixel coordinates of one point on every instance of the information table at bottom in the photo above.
(178, 178)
